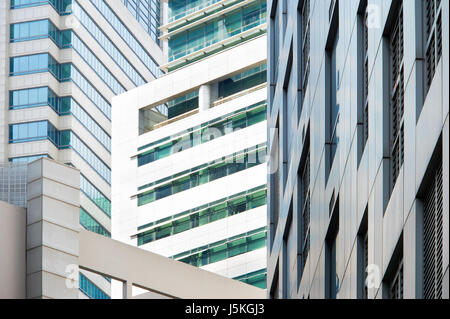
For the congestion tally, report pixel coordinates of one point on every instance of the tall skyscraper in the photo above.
(192, 185)
(359, 149)
(61, 62)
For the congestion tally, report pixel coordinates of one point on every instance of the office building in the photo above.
(358, 124)
(192, 185)
(61, 62)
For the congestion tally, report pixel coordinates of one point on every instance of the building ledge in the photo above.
(210, 49)
(198, 15)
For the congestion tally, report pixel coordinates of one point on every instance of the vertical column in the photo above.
(204, 97)
(127, 292)
(4, 72)
(52, 230)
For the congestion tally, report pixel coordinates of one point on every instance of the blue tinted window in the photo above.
(107, 44)
(28, 159)
(63, 72)
(61, 6)
(43, 96)
(127, 36)
(96, 65)
(32, 131)
(32, 98)
(147, 12)
(35, 131)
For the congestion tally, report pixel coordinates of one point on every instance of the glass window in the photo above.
(205, 214)
(218, 253)
(218, 212)
(203, 217)
(214, 171)
(163, 191)
(237, 247)
(200, 135)
(218, 29)
(182, 225)
(238, 205)
(32, 131)
(256, 241)
(95, 195)
(233, 24)
(257, 199)
(163, 232)
(181, 184)
(125, 34)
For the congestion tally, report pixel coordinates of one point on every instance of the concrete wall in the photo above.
(162, 276)
(52, 230)
(12, 251)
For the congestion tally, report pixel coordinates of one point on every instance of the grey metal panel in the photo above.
(366, 185)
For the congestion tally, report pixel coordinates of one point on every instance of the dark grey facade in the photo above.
(358, 131)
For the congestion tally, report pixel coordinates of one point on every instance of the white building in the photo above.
(192, 186)
(61, 62)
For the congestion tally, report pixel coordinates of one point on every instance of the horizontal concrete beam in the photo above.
(156, 273)
(191, 77)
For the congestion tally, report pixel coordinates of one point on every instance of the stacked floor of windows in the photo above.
(182, 105)
(61, 6)
(73, 7)
(243, 81)
(203, 174)
(147, 12)
(204, 133)
(44, 130)
(217, 30)
(204, 215)
(224, 249)
(44, 96)
(181, 8)
(121, 29)
(44, 62)
(40, 29)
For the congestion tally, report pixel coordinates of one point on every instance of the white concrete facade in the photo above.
(127, 176)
